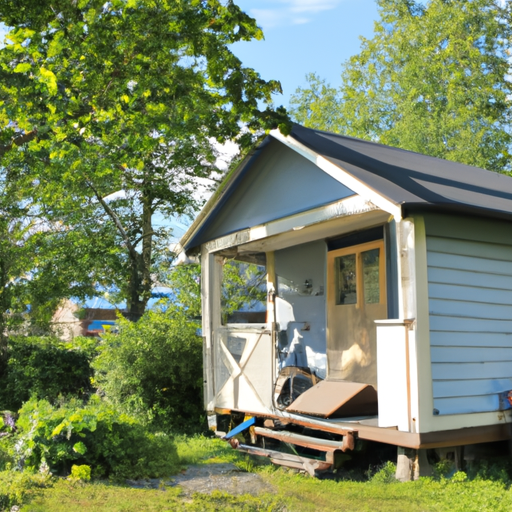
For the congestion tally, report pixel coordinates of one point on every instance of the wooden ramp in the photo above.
(337, 399)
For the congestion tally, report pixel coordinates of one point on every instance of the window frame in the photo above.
(358, 250)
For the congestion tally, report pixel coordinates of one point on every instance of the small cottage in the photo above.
(384, 304)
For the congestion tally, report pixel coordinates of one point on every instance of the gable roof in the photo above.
(408, 178)
(396, 180)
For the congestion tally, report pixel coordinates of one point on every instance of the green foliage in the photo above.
(15, 487)
(99, 497)
(153, 369)
(433, 79)
(386, 474)
(219, 500)
(243, 287)
(496, 470)
(95, 434)
(125, 96)
(44, 367)
(13, 264)
(288, 491)
(82, 472)
(6, 460)
(198, 449)
(443, 468)
(317, 106)
(185, 281)
(459, 477)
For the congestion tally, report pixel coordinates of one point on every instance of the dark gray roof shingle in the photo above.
(411, 179)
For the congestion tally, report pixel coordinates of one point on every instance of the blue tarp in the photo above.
(158, 292)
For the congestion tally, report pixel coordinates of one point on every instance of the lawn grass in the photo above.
(203, 450)
(100, 497)
(293, 492)
(303, 494)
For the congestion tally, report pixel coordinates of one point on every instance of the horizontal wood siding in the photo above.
(470, 303)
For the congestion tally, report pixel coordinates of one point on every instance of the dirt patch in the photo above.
(206, 478)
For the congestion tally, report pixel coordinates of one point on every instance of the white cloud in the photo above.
(272, 13)
(311, 6)
(268, 18)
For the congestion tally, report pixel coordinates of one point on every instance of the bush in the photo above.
(15, 486)
(44, 367)
(153, 369)
(92, 434)
(82, 472)
(385, 475)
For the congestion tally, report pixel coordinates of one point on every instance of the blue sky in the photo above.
(304, 36)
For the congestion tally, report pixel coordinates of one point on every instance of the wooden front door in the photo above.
(356, 297)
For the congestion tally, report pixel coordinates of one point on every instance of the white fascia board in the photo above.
(349, 207)
(352, 205)
(340, 175)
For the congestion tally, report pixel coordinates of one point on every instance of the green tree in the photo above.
(317, 106)
(128, 95)
(433, 79)
(37, 267)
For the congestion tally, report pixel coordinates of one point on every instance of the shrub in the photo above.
(44, 367)
(93, 434)
(7, 430)
(82, 472)
(15, 486)
(153, 369)
(386, 474)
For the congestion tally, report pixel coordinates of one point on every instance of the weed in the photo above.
(200, 449)
(443, 469)
(292, 491)
(385, 475)
(82, 472)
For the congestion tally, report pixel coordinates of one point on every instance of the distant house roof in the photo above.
(157, 293)
(101, 303)
(404, 180)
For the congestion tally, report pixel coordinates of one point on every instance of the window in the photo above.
(346, 289)
(244, 291)
(359, 274)
(371, 278)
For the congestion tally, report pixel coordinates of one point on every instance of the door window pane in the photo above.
(346, 292)
(371, 276)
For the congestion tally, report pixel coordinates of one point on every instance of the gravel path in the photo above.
(206, 478)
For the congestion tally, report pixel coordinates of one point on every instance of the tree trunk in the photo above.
(140, 279)
(4, 306)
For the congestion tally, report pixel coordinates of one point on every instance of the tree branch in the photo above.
(18, 141)
(145, 235)
(131, 249)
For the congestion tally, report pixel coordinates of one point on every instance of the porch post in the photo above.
(211, 278)
(393, 375)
